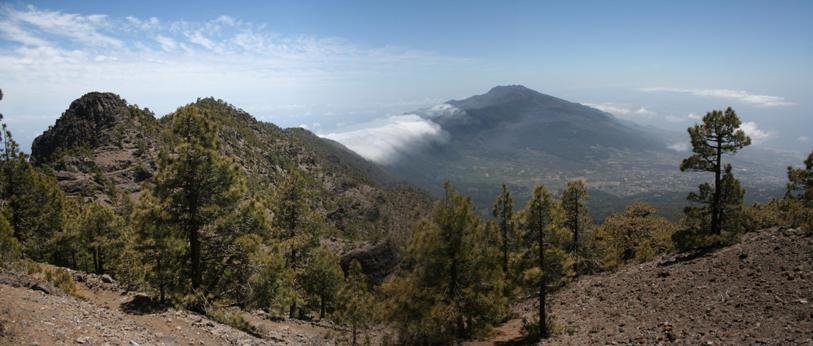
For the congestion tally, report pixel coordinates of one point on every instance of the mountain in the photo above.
(103, 148)
(514, 117)
(521, 137)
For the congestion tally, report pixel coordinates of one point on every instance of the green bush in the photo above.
(62, 279)
(233, 318)
(530, 328)
(9, 247)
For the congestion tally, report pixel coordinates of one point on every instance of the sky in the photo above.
(362, 67)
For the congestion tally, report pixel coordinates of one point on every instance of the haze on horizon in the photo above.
(360, 70)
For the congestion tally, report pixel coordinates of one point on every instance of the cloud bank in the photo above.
(390, 139)
(737, 95)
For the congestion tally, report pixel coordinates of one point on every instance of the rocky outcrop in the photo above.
(100, 146)
(86, 123)
(377, 260)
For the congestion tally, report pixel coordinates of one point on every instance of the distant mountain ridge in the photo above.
(513, 117)
(521, 137)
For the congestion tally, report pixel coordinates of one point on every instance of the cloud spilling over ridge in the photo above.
(387, 140)
(738, 95)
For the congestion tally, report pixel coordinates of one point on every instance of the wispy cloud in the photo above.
(738, 95)
(388, 140)
(623, 111)
(50, 57)
(77, 28)
(803, 139)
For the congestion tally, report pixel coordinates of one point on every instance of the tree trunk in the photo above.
(355, 332)
(504, 244)
(576, 224)
(715, 208)
(321, 307)
(543, 332)
(194, 246)
(161, 284)
(292, 311)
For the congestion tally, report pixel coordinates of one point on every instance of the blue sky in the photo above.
(343, 66)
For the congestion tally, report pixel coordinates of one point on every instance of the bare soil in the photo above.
(758, 291)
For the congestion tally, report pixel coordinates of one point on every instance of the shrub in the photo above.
(62, 279)
(233, 318)
(530, 328)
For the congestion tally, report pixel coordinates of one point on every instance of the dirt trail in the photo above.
(756, 292)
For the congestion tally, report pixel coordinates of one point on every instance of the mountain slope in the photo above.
(754, 292)
(105, 149)
(520, 137)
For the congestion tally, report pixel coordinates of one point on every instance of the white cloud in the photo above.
(143, 24)
(681, 146)
(752, 130)
(623, 111)
(51, 57)
(676, 119)
(166, 43)
(693, 116)
(803, 139)
(385, 141)
(82, 29)
(738, 95)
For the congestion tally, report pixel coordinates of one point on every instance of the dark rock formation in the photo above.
(377, 260)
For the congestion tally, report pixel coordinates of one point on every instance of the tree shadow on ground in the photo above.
(142, 305)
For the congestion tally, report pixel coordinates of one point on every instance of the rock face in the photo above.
(377, 260)
(100, 146)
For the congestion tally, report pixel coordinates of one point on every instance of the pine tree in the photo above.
(9, 247)
(636, 235)
(452, 279)
(800, 183)
(797, 206)
(100, 233)
(159, 246)
(299, 230)
(504, 214)
(732, 196)
(194, 187)
(539, 217)
(33, 201)
(355, 302)
(718, 135)
(322, 277)
(574, 198)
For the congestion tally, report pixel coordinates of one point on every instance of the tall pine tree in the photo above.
(718, 135)
(195, 186)
(451, 286)
(539, 215)
(355, 302)
(503, 213)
